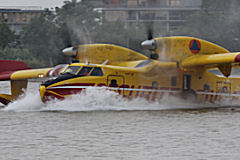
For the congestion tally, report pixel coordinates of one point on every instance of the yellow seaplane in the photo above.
(187, 67)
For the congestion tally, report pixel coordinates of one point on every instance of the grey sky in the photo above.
(41, 3)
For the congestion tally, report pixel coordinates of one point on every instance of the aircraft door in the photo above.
(115, 81)
(186, 82)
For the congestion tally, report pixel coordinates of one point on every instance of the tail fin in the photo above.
(179, 47)
(187, 51)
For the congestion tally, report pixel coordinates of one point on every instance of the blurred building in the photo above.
(170, 14)
(17, 17)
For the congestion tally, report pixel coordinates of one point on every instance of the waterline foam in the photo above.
(94, 99)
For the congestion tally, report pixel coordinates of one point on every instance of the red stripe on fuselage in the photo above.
(146, 91)
(50, 96)
(75, 84)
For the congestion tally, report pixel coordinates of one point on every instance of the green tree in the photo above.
(42, 39)
(73, 24)
(78, 22)
(6, 35)
(47, 35)
(217, 21)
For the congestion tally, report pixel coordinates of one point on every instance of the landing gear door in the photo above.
(115, 81)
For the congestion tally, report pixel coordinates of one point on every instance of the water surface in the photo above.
(100, 125)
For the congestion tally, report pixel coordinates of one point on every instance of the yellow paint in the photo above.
(17, 88)
(209, 60)
(28, 74)
(99, 53)
(181, 70)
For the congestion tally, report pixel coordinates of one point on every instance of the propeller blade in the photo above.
(67, 39)
(150, 34)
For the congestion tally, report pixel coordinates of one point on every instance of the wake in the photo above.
(95, 99)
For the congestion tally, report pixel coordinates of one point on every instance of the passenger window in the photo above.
(97, 71)
(85, 71)
(113, 83)
(143, 63)
(206, 87)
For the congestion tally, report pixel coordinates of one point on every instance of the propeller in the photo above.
(150, 44)
(150, 31)
(69, 49)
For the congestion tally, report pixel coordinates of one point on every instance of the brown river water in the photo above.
(100, 125)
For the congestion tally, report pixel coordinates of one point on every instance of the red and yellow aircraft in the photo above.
(180, 66)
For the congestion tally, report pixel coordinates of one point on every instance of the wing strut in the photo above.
(17, 88)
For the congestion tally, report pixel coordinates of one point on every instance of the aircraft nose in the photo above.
(42, 91)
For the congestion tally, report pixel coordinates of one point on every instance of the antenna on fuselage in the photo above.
(105, 62)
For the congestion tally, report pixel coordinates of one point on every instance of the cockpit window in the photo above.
(71, 69)
(97, 71)
(143, 63)
(85, 71)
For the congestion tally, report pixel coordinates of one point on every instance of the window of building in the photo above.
(132, 15)
(174, 3)
(114, 2)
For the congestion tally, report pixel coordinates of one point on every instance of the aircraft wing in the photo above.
(18, 73)
(36, 73)
(31, 73)
(103, 54)
(210, 60)
(24, 74)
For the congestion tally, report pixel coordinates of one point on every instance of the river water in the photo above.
(99, 125)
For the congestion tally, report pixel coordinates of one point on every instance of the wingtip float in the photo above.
(178, 66)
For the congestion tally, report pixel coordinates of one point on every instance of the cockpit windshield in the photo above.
(85, 71)
(71, 70)
(97, 71)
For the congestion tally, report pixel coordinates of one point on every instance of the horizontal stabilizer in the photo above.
(210, 60)
(223, 61)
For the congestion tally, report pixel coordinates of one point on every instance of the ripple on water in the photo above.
(73, 131)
